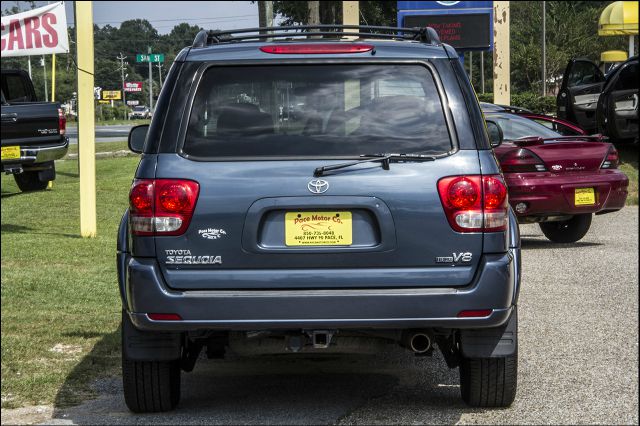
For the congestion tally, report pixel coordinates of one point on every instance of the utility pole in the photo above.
(30, 68)
(46, 86)
(482, 71)
(544, 48)
(121, 58)
(150, 81)
(471, 68)
(265, 14)
(501, 57)
(159, 65)
(314, 12)
(86, 118)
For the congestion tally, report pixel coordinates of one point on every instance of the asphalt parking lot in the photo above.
(578, 358)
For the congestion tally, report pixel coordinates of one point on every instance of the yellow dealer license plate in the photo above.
(318, 228)
(585, 197)
(10, 152)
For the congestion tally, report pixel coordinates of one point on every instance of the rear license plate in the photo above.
(585, 197)
(318, 228)
(10, 153)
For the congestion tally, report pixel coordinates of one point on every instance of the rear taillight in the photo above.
(62, 122)
(475, 203)
(162, 206)
(521, 160)
(612, 160)
(316, 48)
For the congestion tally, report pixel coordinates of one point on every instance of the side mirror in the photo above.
(137, 136)
(495, 134)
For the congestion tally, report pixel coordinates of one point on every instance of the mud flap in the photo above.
(491, 342)
(149, 346)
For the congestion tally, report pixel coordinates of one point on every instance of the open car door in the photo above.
(578, 97)
(618, 109)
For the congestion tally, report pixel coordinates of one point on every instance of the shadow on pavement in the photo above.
(393, 387)
(529, 244)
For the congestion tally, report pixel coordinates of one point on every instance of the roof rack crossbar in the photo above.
(425, 35)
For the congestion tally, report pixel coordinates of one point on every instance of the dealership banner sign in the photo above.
(133, 86)
(39, 31)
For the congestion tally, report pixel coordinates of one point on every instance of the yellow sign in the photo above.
(104, 102)
(10, 153)
(318, 228)
(585, 197)
(111, 95)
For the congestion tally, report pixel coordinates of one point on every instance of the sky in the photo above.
(164, 15)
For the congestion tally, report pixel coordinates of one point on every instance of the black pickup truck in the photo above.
(33, 133)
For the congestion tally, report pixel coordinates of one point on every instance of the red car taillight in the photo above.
(612, 160)
(62, 122)
(475, 203)
(162, 206)
(521, 160)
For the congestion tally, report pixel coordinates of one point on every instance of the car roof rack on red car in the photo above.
(425, 35)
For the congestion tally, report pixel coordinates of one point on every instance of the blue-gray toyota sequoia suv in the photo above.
(325, 189)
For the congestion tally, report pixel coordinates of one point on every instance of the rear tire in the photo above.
(567, 231)
(30, 181)
(150, 386)
(489, 382)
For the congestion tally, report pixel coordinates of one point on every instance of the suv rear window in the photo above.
(317, 111)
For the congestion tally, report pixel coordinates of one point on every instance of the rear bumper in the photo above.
(494, 287)
(548, 194)
(39, 154)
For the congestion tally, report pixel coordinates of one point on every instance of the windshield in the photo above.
(316, 110)
(139, 108)
(517, 127)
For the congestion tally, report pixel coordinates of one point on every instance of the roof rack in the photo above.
(207, 38)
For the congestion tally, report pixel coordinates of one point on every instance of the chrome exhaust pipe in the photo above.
(418, 341)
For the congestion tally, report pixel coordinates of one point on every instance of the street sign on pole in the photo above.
(150, 57)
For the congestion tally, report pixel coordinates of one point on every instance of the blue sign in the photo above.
(465, 25)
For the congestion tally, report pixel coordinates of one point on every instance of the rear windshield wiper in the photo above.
(385, 159)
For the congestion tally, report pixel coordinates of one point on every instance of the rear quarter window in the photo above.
(316, 111)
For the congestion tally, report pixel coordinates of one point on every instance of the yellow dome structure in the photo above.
(619, 18)
(613, 56)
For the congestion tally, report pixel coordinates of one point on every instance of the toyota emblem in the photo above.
(318, 186)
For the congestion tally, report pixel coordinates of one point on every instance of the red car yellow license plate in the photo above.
(318, 228)
(10, 153)
(585, 197)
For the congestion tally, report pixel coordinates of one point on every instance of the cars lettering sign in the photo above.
(39, 31)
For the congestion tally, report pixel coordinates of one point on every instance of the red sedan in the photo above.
(557, 181)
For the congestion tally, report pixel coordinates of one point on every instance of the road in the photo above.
(103, 133)
(578, 359)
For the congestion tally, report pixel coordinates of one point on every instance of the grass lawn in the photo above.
(102, 147)
(60, 302)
